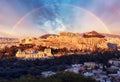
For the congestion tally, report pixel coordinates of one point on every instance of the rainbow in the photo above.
(36, 9)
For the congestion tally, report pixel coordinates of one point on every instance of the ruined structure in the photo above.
(31, 54)
(89, 42)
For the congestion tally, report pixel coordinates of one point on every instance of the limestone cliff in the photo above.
(73, 41)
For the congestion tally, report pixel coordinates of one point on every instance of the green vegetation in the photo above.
(14, 68)
(11, 67)
(59, 77)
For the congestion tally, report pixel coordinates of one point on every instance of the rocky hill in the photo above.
(90, 41)
(93, 34)
(47, 35)
(111, 35)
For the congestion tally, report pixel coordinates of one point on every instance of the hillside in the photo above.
(90, 41)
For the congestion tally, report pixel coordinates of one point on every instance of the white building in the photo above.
(74, 68)
(115, 62)
(88, 74)
(48, 73)
(90, 64)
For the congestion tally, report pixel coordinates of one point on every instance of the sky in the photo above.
(22, 18)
